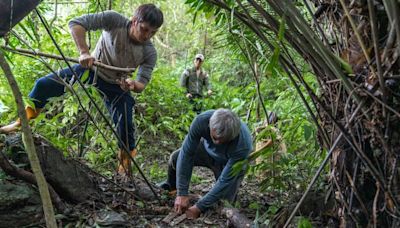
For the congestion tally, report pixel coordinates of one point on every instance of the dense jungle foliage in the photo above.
(245, 75)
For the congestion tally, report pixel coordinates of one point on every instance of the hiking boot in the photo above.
(125, 167)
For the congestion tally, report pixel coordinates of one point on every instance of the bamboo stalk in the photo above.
(353, 25)
(317, 44)
(374, 27)
(253, 68)
(51, 56)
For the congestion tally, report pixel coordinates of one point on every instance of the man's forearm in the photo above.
(79, 35)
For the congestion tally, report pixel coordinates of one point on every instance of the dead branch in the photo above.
(51, 56)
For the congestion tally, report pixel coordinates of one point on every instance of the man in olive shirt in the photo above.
(194, 80)
(217, 139)
(124, 43)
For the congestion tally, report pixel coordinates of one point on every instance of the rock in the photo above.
(20, 205)
(69, 178)
(111, 218)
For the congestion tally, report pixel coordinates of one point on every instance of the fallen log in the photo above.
(72, 180)
(68, 178)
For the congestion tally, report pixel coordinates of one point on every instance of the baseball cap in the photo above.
(199, 56)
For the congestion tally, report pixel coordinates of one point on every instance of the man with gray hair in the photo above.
(217, 139)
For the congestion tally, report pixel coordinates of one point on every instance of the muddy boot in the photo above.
(125, 167)
(31, 113)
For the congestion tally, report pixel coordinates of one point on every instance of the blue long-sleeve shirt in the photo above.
(227, 154)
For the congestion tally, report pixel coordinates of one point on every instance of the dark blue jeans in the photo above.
(119, 103)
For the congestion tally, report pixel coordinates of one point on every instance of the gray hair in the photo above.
(225, 123)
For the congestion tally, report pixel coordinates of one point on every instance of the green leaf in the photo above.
(29, 101)
(307, 132)
(189, 1)
(304, 223)
(345, 65)
(239, 166)
(27, 32)
(277, 50)
(140, 204)
(85, 75)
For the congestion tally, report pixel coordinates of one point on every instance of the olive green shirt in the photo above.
(194, 83)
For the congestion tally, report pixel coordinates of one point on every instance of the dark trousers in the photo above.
(118, 102)
(202, 158)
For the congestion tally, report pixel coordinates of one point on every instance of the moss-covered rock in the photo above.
(19, 204)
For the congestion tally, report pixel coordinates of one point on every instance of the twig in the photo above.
(373, 22)
(374, 207)
(381, 102)
(253, 67)
(354, 190)
(293, 67)
(346, 206)
(357, 162)
(358, 36)
(109, 181)
(316, 23)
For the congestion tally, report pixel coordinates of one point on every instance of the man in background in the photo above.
(195, 80)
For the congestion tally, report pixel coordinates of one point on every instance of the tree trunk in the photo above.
(30, 148)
